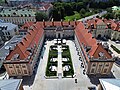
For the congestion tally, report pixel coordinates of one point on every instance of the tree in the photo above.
(82, 11)
(117, 15)
(109, 16)
(68, 9)
(40, 16)
(79, 6)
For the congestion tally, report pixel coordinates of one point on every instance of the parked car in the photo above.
(117, 41)
(92, 88)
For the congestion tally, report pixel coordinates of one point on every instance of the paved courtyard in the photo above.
(41, 83)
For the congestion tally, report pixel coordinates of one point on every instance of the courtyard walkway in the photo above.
(60, 72)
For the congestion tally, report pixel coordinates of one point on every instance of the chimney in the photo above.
(52, 22)
(43, 22)
(61, 22)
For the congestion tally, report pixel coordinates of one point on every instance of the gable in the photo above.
(99, 50)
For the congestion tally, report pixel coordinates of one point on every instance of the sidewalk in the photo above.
(116, 45)
(59, 72)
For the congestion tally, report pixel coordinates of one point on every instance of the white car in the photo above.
(117, 41)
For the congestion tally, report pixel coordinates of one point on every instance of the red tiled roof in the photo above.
(59, 23)
(85, 39)
(95, 22)
(27, 24)
(97, 49)
(28, 41)
(114, 25)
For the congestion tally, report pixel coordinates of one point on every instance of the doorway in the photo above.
(59, 36)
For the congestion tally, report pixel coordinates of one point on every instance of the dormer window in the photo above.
(92, 26)
(25, 38)
(22, 43)
(109, 25)
(29, 33)
(29, 49)
(15, 57)
(14, 13)
(101, 54)
(21, 15)
(88, 48)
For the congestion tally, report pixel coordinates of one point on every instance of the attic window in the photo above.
(29, 49)
(88, 48)
(101, 54)
(29, 33)
(25, 27)
(22, 43)
(15, 57)
(25, 38)
(14, 13)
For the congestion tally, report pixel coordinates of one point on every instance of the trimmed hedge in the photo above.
(116, 49)
(66, 54)
(52, 54)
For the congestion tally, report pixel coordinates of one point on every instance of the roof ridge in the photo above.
(20, 50)
(96, 49)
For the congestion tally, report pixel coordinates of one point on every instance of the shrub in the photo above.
(114, 48)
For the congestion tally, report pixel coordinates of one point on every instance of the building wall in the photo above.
(25, 69)
(8, 34)
(18, 20)
(68, 33)
(81, 54)
(102, 31)
(38, 49)
(115, 35)
(50, 33)
(100, 67)
(17, 69)
(63, 33)
(92, 67)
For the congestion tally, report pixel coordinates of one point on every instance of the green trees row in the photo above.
(60, 10)
(112, 15)
(40, 16)
(83, 7)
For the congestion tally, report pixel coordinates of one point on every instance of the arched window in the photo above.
(25, 15)
(21, 15)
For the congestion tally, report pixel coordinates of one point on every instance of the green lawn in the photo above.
(73, 17)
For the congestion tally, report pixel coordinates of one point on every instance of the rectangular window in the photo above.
(93, 65)
(107, 65)
(10, 66)
(12, 72)
(18, 70)
(17, 66)
(92, 71)
(105, 70)
(25, 71)
(23, 66)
